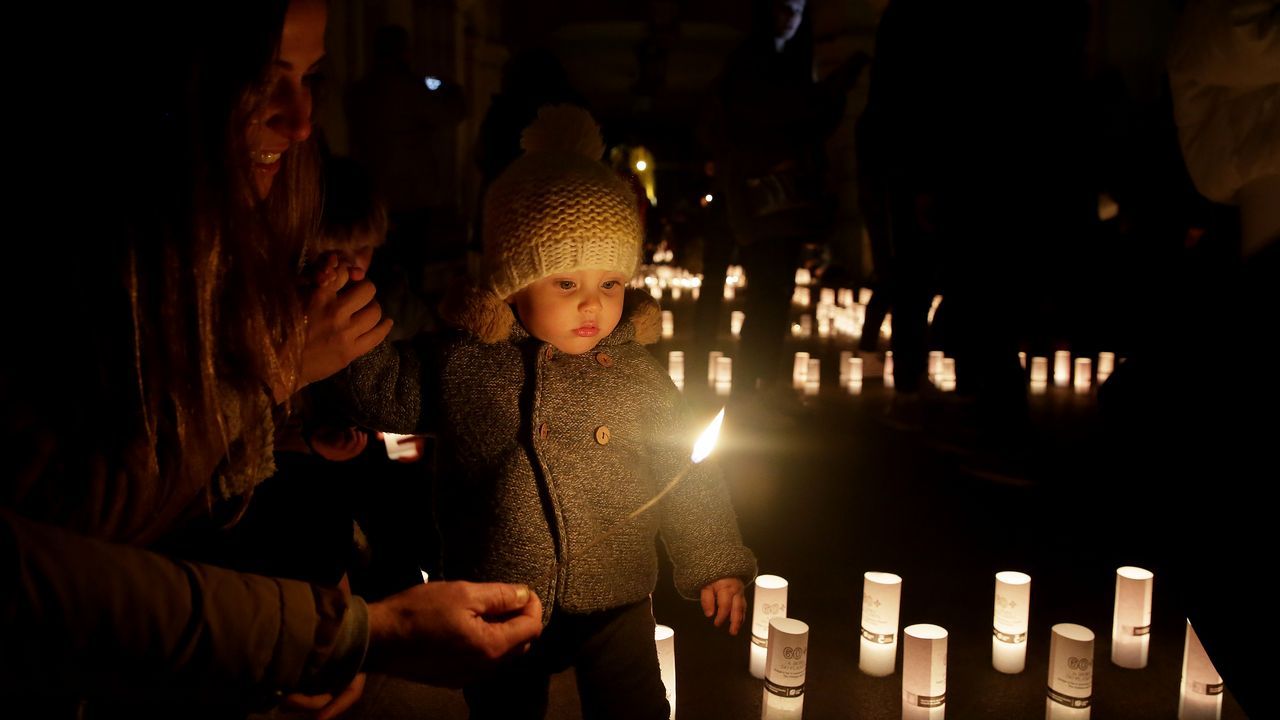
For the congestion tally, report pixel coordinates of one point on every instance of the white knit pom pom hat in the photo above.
(558, 208)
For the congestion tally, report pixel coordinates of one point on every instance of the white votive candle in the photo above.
(1010, 623)
(1070, 690)
(881, 598)
(1084, 375)
(1200, 697)
(1106, 366)
(800, 370)
(724, 369)
(770, 602)
(1131, 622)
(1039, 370)
(924, 672)
(397, 450)
(786, 664)
(1061, 368)
(675, 365)
(665, 638)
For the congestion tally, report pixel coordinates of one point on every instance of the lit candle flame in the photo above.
(707, 440)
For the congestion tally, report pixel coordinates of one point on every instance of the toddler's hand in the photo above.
(338, 444)
(725, 600)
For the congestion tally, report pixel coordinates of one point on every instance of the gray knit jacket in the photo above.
(544, 451)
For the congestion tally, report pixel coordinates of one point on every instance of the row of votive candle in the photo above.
(736, 318)
(779, 646)
(1062, 370)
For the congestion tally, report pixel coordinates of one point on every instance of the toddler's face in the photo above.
(572, 310)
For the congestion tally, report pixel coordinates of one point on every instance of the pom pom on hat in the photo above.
(557, 208)
(563, 128)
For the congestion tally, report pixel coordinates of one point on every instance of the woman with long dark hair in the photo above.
(167, 333)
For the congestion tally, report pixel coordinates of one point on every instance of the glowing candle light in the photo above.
(426, 576)
(886, 327)
(1131, 622)
(675, 292)
(888, 368)
(948, 374)
(1200, 697)
(668, 324)
(1061, 368)
(1070, 691)
(697, 290)
(1039, 370)
(1022, 360)
(924, 672)
(800, 370)
(724, 369)
(933, 308)
(735, 322)
(665, 638)
(802, 276)
(398, 450)
(1084, 373)
(728, 292)
(853, 373)
(656, 292)
(786, 664)
(1106, 366)
(770, 602)
(845, 297)
(724, 375)
(824, 327)
(881, 598)
(827, 296)
(935, 363)
(675, 366)
(864, 296)
(1010, 624)
(813, 375)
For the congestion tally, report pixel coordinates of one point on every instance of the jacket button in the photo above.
(604, 359)
(543, 431)
(603, 435)
(550, 353)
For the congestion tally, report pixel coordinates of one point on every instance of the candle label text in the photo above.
(782, 690)
(878, 638)
(1069, 701)
(1011, 638)
(926, 701)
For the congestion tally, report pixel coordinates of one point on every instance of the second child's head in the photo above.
(561, 233)
(354, 221)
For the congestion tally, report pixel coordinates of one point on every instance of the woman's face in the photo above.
(787, 15)
(285, 116)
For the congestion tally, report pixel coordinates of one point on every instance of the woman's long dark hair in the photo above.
(176, 288)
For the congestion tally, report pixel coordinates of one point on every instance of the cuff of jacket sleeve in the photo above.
(739, 563)
(340, 649)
